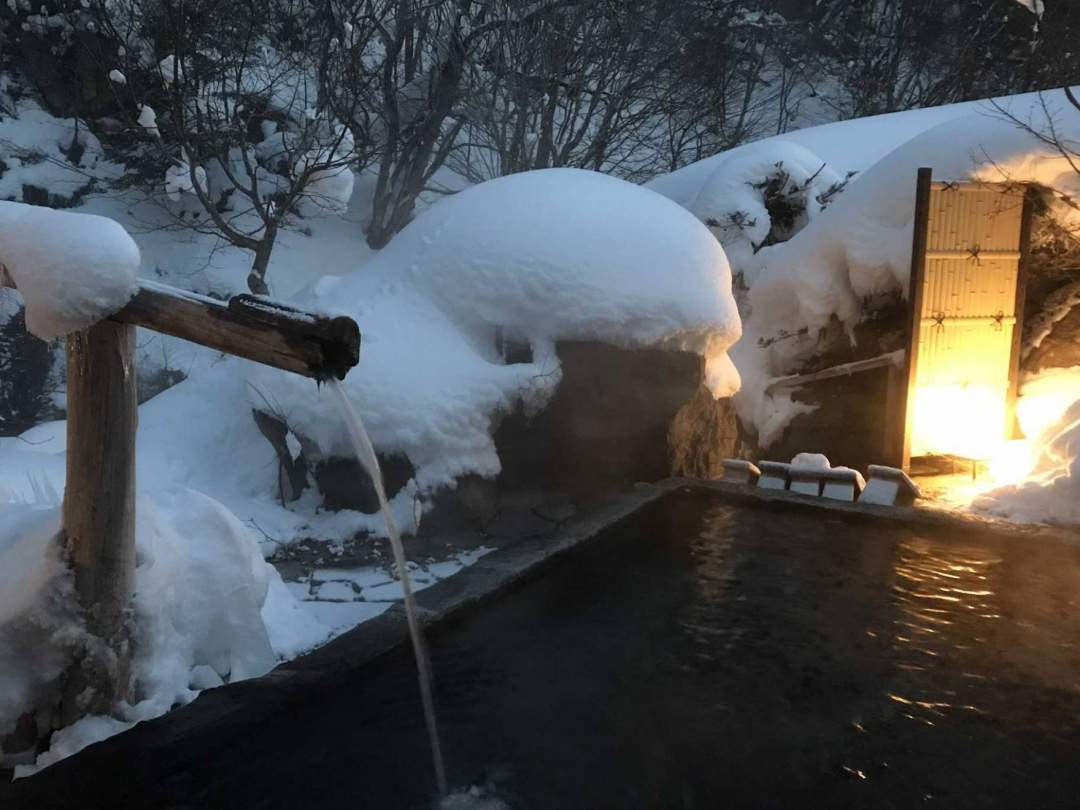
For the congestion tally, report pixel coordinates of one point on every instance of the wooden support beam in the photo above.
(843, 370)
(248, 326)
(1012, 425)
(251, 327)
(975, 255)
(99, 509)
(905, 406)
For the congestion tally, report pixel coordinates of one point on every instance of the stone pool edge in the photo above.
(919, 515)
(485, 580)
(233, 707)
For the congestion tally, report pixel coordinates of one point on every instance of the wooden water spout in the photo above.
(99, 497)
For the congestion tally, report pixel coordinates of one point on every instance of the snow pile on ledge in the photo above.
(551, 255)
(71, 270)
(208, 610)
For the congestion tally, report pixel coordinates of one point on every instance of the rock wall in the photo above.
(618, 417)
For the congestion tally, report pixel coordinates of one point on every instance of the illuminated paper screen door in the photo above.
(967, 309)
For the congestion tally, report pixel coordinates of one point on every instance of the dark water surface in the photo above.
(701, 656)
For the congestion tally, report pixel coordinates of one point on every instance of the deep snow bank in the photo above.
(855, 244)
(1049, 414)
(1052, 492)
(844, 146)
(550, 255)
(208, 610)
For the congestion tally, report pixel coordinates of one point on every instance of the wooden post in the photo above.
(102, 413)
(905, 399)
(1012, 426)
(99, 509)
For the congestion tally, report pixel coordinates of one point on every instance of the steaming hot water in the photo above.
(365, 454)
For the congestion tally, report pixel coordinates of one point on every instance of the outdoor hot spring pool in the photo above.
(703, 655)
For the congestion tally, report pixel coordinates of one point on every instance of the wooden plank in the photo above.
(842, 370)
(978, 256)
(1012, 427)
(892, 443)
(962, 185)
(906, 394)
(961, 321)
(252, 327)
(99, 509)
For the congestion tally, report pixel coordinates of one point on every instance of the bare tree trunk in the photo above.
(256, 279)
(99, 510)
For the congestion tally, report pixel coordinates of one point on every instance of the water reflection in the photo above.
(945, 596)
(704, 621)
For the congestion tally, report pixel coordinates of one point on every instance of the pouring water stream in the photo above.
(365, 454)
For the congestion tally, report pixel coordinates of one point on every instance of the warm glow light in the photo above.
(1012, 462)
(959, 420)
(968, 421)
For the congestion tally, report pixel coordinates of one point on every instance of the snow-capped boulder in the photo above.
(541, 258)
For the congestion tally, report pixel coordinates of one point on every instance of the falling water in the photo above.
(365, 453)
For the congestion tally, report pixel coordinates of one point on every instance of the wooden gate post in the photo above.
(99, 509)
(904, 389)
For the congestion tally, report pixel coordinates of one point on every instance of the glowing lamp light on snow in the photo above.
(968, 421)
(965, 420)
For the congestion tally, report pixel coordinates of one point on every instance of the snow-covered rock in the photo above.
(178, 180)
(71, 269)
(545, 256)
(732, 201)
(148, 120)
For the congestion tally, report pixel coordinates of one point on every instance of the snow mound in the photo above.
(1049, 413)
(542, 256)
(812, 461)
(1052, 493)
(71, 270)
(203, 601)
(733, 200)
(38, 630)
(60, 156)
(564, 254)
(846, 146)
